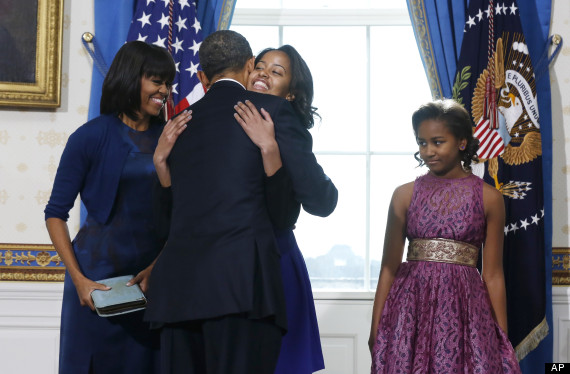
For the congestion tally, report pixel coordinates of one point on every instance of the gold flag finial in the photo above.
(87, 36)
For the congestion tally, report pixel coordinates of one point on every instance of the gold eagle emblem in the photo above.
(516, 102)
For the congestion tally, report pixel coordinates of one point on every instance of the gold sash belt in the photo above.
(443, 250)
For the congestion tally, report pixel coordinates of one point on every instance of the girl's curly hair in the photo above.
(456, 119)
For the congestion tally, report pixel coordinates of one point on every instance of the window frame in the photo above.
(336, 17)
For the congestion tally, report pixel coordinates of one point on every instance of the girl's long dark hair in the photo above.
(301, 84)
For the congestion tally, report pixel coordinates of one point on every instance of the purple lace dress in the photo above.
(438, 317)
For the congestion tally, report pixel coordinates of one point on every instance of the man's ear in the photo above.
(250, 65)
(203, 79)
(247, 69)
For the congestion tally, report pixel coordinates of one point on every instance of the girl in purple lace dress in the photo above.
(435, 313)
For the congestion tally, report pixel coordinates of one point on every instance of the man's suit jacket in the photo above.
(221, 257)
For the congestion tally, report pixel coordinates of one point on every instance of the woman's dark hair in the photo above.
(122, 85)
(301, 84)
(457, 121)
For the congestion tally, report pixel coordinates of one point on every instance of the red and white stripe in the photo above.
(196, 94)
(490, 142)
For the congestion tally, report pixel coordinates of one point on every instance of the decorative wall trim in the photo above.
(30, 262)
(30, 292)
(41, 263)
(30, 306)
(560, 266)
(561, 295)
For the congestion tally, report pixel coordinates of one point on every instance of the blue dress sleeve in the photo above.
(70, 176)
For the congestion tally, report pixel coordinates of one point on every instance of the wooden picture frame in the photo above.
(30, 53)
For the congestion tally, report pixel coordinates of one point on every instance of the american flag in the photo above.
(491, 144)
(173, 25)
(496, 84)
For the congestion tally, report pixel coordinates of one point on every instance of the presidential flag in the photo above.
(495, 82)
(173, 25)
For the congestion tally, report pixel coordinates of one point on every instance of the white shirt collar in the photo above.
(229, 79)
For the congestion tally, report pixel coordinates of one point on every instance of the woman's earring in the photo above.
(462, 148)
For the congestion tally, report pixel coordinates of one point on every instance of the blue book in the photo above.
(120, 299)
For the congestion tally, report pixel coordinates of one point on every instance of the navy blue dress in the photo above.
(301, 347)
(301, 351)
(126, 244)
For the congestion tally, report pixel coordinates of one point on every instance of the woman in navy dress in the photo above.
(108, 162)
(282, 72)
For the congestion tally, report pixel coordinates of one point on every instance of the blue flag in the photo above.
(495, 82)
(173, 25)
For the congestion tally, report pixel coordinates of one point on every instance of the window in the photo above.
(368, 80)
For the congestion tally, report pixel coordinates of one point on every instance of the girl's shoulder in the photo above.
(490, 192)
(406, 188)
(402, 196)
(492, 198)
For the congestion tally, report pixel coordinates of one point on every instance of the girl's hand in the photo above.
(260, 129)
(85, 287)
(170, 133)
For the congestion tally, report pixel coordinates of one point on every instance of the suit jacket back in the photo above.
(221, 257)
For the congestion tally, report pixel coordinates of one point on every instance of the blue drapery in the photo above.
(112, 22)
(438, 27)
(535, 18)
(215, 14)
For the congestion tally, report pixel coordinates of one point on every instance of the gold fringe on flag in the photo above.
(532, 340)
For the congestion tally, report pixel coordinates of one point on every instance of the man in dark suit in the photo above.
(216, 288)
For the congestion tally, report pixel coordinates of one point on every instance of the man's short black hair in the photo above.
(224, 50)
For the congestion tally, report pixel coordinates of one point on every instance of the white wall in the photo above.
(31, 142)
(29, 327)
(560, 88)
(29, 330)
